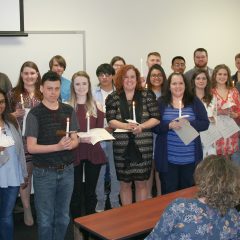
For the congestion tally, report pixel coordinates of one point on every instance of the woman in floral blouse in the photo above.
(212, 214)
(228, 103)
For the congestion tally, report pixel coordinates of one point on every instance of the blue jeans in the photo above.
(8, 198)
(115, 186)
(52, 194)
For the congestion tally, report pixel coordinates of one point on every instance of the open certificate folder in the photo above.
(210, 136)
(97, 135)
(186, 133)
(226, 126)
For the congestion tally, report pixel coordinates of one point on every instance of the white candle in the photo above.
(88, 122)
(22, 101)
(180, 108)
(134, 111)
(67, 128)
(141, 67)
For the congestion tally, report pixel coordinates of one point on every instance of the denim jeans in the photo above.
(8, 198)
(115, 186)
(52, 194)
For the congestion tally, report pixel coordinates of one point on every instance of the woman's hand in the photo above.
(138, 129)
(130, 126)
(20, 112)
(233, 114)
(2, 149)
(175, 125)
(25, 184)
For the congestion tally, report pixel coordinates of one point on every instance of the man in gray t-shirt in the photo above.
(50, 142)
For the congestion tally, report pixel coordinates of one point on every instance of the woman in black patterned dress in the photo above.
(132, 148)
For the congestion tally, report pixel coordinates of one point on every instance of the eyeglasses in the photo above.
(156, 76)
(2, 101)
(104, 75)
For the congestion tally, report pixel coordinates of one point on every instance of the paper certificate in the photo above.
(119, 130)
(186, 133)
(6, 141)
(97, 135)
(210, 136)
(226, 126)
(27, 110)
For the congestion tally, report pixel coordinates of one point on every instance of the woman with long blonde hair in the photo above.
(89, 158)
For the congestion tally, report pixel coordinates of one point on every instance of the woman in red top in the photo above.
(226, 98)
(89, 158)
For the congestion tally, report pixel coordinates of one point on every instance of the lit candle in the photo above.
(134, 111)
(233, 83)
(141, 67)
(180, 108)
(88, 122)
(22, 101)
(146, 86)
(67, 128)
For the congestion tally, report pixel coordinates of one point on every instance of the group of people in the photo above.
(43, 115)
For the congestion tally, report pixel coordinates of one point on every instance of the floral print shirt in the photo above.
(190, 219)
(229, 145)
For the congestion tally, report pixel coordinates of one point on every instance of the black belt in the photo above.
(59, 167)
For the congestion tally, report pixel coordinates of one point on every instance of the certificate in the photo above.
(119, 130)
(210, 136)
(6, 141)
(226, 126)
(186, 133)
(97, 135)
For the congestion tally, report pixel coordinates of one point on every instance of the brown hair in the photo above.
(19, 89)
(6, 115)
(207, 90)
(215, 71)
(218, 180)
(119, 77)
(59, 59)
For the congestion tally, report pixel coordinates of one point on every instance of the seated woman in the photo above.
(212, 214)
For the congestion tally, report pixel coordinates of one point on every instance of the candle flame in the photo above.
(133, 103)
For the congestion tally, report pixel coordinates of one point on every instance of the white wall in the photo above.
(132, 28)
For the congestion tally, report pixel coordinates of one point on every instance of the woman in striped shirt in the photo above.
(174, 160)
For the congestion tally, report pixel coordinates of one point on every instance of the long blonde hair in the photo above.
(90, 103)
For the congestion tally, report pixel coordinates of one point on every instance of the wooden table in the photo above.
(131, 220)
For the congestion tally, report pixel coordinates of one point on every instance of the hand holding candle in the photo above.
(88, 122)
(180, 109)
(134, 111)
(67, 128)
(22, 101)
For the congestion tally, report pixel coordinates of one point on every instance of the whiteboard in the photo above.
(40, 47)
